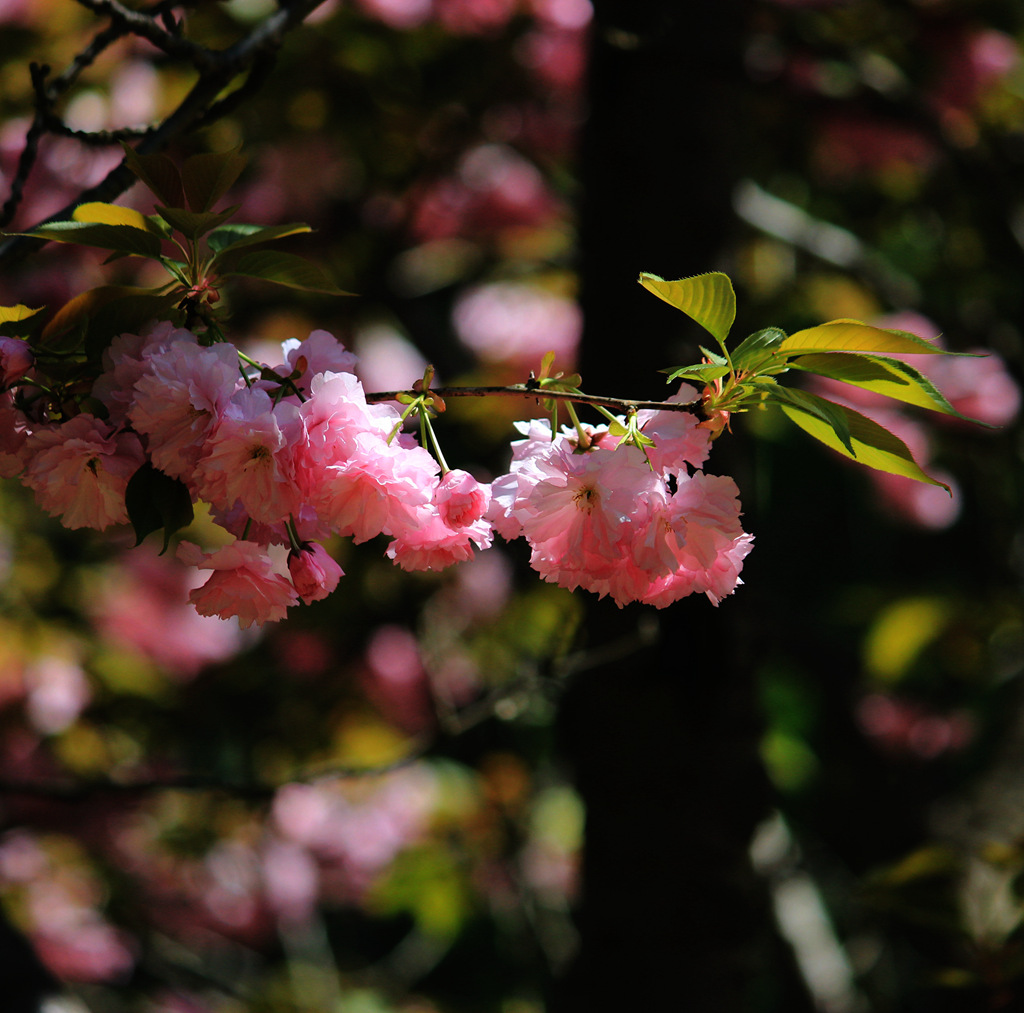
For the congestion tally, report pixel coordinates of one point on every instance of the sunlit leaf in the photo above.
(757, 348)
(825, 411)
(880, 375)
(872, 445)
(705, 372)
(121, 238)
(17, 321)
(853, 336)
(282, 269)
(239, 234)
(110, 214)
(158, 173)
(193, 224)
(206, 178)
(707, 298)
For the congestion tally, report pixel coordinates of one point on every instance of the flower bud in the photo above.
(314, 573)
(460, 499)
(16, 359)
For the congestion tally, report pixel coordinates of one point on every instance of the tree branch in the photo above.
(255, 51)
(539, 394)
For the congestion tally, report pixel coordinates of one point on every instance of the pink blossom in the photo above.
(710, 542)
(678, 436)
(179, 400)
(80, 469)
(125, 361)
(321, 352)
(314, 572)
(16, 359)
(605, 521)
(460, 499)
(248, 456)
(243, 583)
(427, 543)
(14, 432)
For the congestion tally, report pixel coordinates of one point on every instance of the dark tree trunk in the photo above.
(664, 741)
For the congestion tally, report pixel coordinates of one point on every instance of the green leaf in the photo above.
(158, 174)
(707, 298)
(193, 224)
(820, 408)
(881, 375)
(758, 349)
(17, 321)
(120, 238)
(153, 501)
(110, 214)
(206, 178)
(853, 336)
(239, 234)
(872, 445)
(281, 269)
(706, 372)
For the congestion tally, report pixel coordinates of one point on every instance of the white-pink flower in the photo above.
(243, 583)
(80, 469)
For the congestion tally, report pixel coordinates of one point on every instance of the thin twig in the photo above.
(524, 390)
(146, 27)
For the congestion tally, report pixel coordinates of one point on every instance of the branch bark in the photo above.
(254, 52)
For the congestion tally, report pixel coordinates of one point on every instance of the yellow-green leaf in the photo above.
(880, 375)
(10, 314)
(110, 214)
(854, 336)
(707, 298)
(120, 238)
(873, 445)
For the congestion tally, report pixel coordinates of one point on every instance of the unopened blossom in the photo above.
(314, 572)
(243, 583)
(460, 499)
(16, 359)
(80, 469)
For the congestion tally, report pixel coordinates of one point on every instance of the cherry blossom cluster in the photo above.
(294, 454)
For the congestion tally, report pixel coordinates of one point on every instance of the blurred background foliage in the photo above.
(365, 808)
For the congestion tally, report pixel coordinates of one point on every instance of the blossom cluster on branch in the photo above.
(292, 454)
